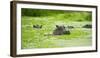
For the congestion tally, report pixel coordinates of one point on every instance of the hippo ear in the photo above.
(57, 26)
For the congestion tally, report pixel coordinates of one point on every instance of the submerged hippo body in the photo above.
(37, 26)
(87, 26)
(60, 30)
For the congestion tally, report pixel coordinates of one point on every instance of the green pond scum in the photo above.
(38, 25)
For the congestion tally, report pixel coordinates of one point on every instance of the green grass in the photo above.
(37, 38)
